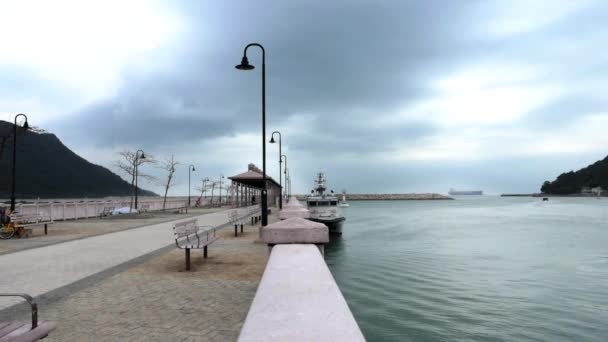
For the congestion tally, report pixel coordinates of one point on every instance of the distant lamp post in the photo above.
(285, 174)
(246, 66)
(190, 168)
(280, 162)
(220, 189)
(135, 166)
(26, 126)
(288, 184)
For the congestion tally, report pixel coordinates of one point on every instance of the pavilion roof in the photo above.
(252, 178)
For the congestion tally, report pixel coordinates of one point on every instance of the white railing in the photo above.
(69, 209)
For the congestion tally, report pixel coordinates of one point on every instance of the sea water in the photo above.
(478, 268)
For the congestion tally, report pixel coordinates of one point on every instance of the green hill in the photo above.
(572, 182)
(46, 168)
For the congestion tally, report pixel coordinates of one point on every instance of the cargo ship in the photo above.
(454, 192)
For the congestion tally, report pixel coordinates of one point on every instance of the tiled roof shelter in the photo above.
(248, 186)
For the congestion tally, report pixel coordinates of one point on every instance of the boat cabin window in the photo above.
(323, 203)
(312, 203)
(334, 203)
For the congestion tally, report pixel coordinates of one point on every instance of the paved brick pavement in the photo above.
(159, 301)
(40, 270)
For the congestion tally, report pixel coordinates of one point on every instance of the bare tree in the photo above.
(127, 164)
(168, 164)
(212, 189)
(203, 188)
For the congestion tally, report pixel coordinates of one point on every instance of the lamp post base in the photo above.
(264, 207)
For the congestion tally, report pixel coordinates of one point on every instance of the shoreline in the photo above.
(551, 195)
(388, 197)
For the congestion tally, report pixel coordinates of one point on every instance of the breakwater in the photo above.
(388, 197)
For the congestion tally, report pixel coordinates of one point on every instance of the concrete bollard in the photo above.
(294, 212)
(296, 230)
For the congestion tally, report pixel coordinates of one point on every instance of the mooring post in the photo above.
(205, 252)
(241, 227)
(187, 259)
(235, 230)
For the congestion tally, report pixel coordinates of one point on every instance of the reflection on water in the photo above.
(480, 268)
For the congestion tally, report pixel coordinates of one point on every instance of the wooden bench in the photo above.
(23, 222)
(106, 211)
(190, 236)
(24, 331)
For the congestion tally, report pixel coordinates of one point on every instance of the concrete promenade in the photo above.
(40, 270)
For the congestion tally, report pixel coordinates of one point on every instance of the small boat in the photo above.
(342, 202)
(324, 208)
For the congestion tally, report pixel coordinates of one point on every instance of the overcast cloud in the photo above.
(385, 96)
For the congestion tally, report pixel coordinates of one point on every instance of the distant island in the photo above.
(588, 181)
(46, 168)
(388, 197)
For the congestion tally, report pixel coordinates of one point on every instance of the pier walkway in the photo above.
(40, 270)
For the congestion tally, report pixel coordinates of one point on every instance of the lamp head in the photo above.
(26, 126)
(193, 169)
(143, 156)
(245, 64)
(272, 140)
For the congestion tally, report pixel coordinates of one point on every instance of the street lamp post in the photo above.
(285, 173)
(246, 66)
(288, 181)
(280, 162)
(135, 166)
(220, 189)
(25, 127)
(190, 168)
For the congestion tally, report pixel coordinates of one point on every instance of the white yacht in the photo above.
(324, 208)
(343, 203)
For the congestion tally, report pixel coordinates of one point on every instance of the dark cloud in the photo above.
(346, 66)
(346, 59)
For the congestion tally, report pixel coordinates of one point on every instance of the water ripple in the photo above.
(500, 270)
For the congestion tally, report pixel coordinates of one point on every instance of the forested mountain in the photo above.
(572, 182)
(46, 168)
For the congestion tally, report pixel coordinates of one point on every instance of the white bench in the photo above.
(255, 213)
(236, 219)
(106, 211)
(23, 222)
(190, 236)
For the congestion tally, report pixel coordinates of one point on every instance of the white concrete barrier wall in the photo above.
(299, 300)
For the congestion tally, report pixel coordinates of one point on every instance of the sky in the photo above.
(382, 96)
